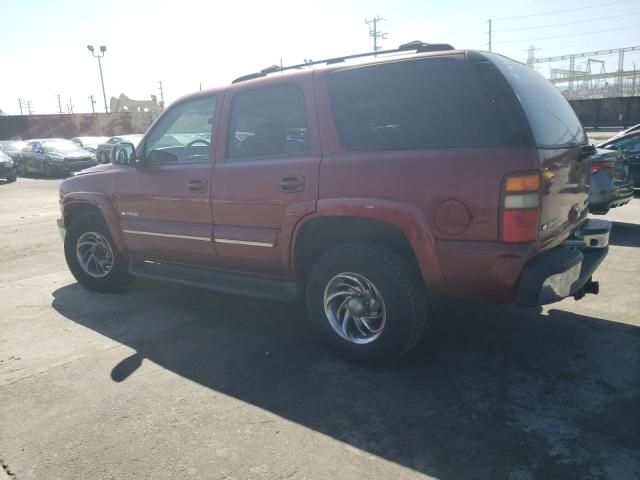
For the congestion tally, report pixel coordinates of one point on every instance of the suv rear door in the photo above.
(266, 174)
(562, 150)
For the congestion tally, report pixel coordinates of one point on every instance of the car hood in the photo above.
(72, 154)
(97, 169)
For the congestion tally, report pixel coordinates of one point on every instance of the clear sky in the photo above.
(186, 43)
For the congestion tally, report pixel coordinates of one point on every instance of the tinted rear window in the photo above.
(415, 104)
(553, 122)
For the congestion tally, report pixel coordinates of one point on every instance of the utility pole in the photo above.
(95, 115)
(161, 94)
(374, 32)
(27, 104)
(490, 35)
(531, 56)
(59, 105)
(103, 49)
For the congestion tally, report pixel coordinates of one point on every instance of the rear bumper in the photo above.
(564, 270)
(602, 199)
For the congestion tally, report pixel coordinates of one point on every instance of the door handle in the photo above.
(292, 184)
(197, 185)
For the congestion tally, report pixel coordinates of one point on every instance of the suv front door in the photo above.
(266, 176)
(164, 199)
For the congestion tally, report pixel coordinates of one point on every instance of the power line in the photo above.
(567, 23)
(570, 35)
(563, 11)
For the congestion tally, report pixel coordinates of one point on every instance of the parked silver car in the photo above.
(103, 151)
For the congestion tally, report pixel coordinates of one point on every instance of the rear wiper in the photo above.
(586, 151)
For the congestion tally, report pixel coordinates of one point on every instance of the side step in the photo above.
(234, 283)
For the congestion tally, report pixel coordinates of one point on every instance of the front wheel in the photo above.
(367, 302)
(11, 178)
(47, 170)
(92, 256)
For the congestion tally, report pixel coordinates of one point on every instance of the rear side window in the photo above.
(417, 104)
(553, 122)
(268, 122)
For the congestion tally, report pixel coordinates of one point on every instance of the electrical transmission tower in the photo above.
(374, 32)
(59, 105)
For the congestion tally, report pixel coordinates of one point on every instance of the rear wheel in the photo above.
(11, 178)
(92, 256)
(367, 302)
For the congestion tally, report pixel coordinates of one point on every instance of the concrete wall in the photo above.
(605, 112)
(73, 125)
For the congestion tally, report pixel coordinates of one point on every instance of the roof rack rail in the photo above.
(416, 45)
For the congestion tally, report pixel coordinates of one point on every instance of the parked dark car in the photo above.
(51, 157)
(12, 148)
(629, 144)
(371, 190)
(89, 143)
(8, 167)
(611, 181)
(103, 151)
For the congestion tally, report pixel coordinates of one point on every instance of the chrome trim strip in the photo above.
(243, 242)
(168, 235)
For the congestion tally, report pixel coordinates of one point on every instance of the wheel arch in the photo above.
(79, 204)
(399, 226)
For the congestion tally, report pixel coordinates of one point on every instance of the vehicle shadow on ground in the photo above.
(506, 394)
(625, 234)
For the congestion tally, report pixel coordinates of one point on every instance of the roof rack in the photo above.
(417, 46)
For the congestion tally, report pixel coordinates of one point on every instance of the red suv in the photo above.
(373, 186)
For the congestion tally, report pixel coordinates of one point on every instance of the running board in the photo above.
(227, 282)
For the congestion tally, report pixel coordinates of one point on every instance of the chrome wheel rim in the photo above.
(354, 308)
(94, 254)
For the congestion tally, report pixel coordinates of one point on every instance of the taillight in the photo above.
(520, 208)
(601, 166)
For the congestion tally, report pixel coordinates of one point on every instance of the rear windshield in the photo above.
(416, 104)
(553, 122)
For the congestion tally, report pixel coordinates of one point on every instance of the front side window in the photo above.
(416, 104)
(184, 134)
(268, 122)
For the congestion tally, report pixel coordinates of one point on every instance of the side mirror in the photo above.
(39, 150)
(123, 154)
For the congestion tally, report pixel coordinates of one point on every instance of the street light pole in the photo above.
(103, 49)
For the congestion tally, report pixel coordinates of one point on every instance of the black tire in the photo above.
(400, 285)
(46, 169)
(22, 169)
(11, 178)
(117, 278)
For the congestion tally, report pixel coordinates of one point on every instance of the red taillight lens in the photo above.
(520, 225)
(521, 208)
(601, 166)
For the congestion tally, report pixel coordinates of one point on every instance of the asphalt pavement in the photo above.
(166, 382)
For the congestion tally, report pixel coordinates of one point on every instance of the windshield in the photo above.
(61, 146)
(553, 122)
